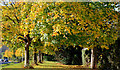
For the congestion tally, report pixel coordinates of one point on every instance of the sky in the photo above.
(1, 1)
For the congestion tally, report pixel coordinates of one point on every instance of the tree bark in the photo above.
(27, 54)
(40, 58)
(83, 57)
(22, 55)
(94, 58)
(35, 56)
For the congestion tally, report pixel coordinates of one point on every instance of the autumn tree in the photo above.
(88, 25)
(22, 24)
(18, 24)
(20, 53)
(85, 24)
(8, 53)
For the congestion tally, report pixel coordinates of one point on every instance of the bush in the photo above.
(110, 59)
(70, 55)
(49, 57)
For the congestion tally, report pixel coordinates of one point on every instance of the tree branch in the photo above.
(12, 5)
(6, 40)
(5, 4)
(28, 38)
(21, 35)
(17, 18)
(10, 19)
(21, 38)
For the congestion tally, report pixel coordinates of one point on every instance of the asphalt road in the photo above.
(6, 62)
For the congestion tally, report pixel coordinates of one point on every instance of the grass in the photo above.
(18, 65)
(49, 64)
(46, 64)
(3, 65)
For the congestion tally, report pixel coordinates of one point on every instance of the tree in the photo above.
(20, 53)
(109, 58)
(8, 54)
(18, 24)
(21, 25)
(85, 24)
(88, 25)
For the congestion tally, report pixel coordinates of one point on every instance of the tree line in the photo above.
(47, 26)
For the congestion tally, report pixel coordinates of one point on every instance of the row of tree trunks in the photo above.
(93, 57)
(35, 55)
(40, 57)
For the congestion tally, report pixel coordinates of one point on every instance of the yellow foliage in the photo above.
(103, 46)
(62, 20)
(19, 52)
(8, 53)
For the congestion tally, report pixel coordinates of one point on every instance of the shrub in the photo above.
(70, 55)
(110, 59)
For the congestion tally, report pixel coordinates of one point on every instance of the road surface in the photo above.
(6, 62)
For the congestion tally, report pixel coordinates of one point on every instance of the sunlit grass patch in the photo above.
(46, 64)
(18, 65)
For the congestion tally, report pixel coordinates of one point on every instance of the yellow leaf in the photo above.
(80, 45)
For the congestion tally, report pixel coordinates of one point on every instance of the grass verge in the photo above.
(46, 64)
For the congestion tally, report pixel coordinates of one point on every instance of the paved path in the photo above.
(6, 62)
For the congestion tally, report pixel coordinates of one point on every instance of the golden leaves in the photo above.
(68, 29)
(80, 45)
(75, 31)
(48, 43)
(8, 53)
(88, 42)
(55, 34)
(81, 21)
(103, 46)
(19, 52)
(56, 15)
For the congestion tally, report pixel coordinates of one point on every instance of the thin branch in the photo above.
(10, 19)
(17, 18)
(21, 38)
(21, 35)
(6, 40)
(5, 4)
(12, 5)
(31, 39)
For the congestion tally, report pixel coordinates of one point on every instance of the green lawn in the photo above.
(18, 65)
(45, 64)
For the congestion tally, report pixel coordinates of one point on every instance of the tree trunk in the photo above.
(22, 55)
(40, 58)
(83, 56)
(26, 55)
(35, 56)
(94, 58)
